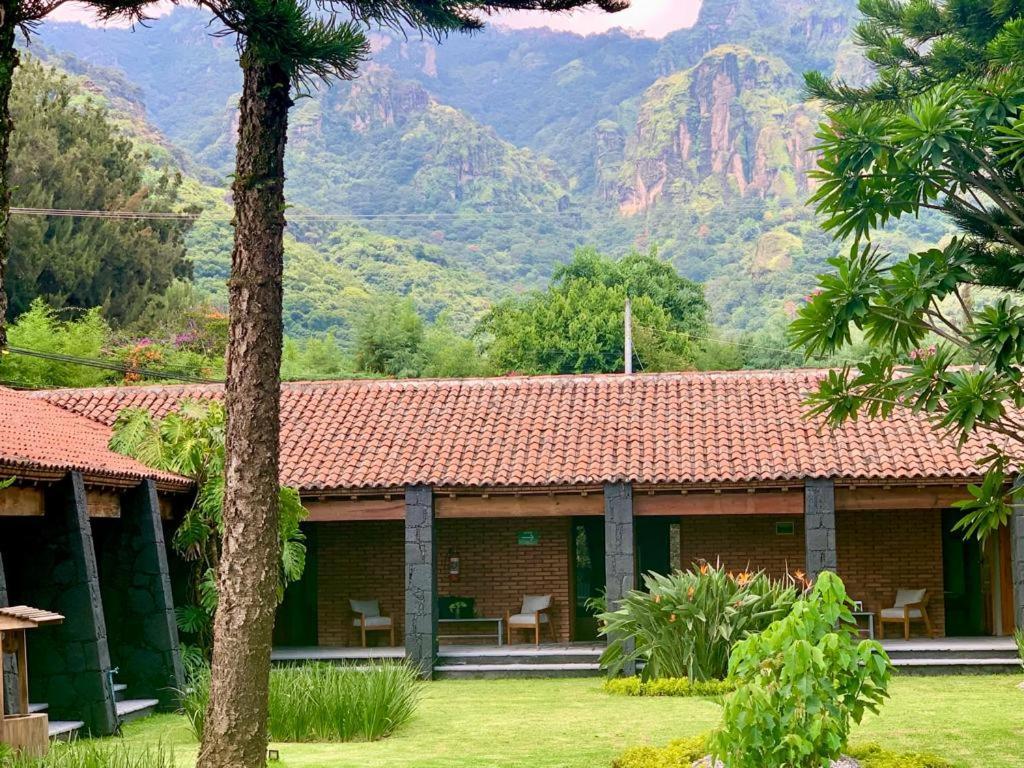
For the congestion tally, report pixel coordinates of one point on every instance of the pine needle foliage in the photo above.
(939, 130)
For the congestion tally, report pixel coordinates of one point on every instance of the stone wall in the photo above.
(7, 659)
(138, 606)
(69, 663)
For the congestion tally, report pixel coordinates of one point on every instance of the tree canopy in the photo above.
(940, 129)
(577, 324)
(66, 154)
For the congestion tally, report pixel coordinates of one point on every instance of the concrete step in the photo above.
(942, 665)
(65, 730)
(506, 670)
(119, 691)
(981, 654)
(473, 659)
(134, 709)
(37, 708)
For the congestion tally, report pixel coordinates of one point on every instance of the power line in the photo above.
(296, 216)
(90, 362)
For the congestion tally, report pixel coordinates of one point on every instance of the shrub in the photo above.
(676, 754)
(324, 702)
(873, 756)
(685, 624)
(89, 754)
(683, 753)
(800, 683)
(667, 686)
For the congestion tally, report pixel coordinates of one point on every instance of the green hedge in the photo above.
(676, 754)
(684, 752)
(667, 686)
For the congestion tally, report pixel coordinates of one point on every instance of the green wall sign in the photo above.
(528, 538)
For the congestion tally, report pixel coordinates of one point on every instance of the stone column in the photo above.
(820, 527)
(619, 549)
(143, 632)
(69, 663)
(1017, 551)
(420, 579)
(8, 660)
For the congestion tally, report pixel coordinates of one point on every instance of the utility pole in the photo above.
(629, 337)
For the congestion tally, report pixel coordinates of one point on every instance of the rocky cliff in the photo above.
(733, 118)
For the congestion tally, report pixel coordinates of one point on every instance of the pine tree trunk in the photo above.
(235, 734)
(8, 63)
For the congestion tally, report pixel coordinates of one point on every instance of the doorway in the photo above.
(588, 575)
(962, 577)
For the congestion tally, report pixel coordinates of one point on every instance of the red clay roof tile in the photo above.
(678, 428)
(36, 436)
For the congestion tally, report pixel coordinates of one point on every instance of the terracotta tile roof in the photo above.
(675, 428)
(38, 438)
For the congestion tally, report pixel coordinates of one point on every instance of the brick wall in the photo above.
(361, 561)
(497, 572)
(365, 560)
(743, 542)
(882, 551)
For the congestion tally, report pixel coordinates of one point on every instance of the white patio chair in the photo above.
(369, 619)
(534, 613)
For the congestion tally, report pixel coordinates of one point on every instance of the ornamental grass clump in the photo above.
(686, 623)
(91, 754)
(802, 682)
(323, 702)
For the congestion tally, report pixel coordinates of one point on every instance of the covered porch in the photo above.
(418, 551)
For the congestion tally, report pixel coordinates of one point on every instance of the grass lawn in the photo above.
(972, 721)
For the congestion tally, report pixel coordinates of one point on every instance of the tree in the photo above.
(15, 16)
(940, 132)
(67, 154)
(577, 324)
(283, 45)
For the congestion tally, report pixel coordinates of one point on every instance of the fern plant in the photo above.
(190, 442)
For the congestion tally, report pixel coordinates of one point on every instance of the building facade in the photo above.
(422, 493)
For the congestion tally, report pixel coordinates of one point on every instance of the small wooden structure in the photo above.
(24, 731)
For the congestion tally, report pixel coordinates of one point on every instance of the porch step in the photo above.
(34, 709)
(528, 670)
(134, 709)
(119, 691)
(957, 666)
(506, 656)
(65, 730)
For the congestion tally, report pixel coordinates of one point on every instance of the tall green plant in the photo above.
(190, 442)
(324, 702)
(802, 682)
(685, 624)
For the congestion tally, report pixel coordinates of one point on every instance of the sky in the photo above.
(653, 18)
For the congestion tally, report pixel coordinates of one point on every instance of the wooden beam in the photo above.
(697, 504)
(557, 505)
(864, 499)
(22, 502)
(103, 504)
(341, 510)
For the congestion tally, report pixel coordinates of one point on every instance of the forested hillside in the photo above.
(467, 171)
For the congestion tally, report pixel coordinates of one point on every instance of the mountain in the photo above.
(491, 157)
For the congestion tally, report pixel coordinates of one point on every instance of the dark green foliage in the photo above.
(66, 154)
(940, 129)
(393, 340)
(577, 325)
